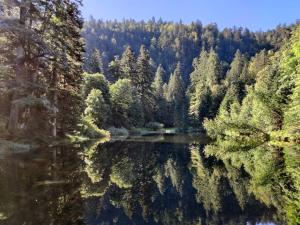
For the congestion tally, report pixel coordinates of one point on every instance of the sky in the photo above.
(254, 14)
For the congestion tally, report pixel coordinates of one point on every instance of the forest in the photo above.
(62, 75)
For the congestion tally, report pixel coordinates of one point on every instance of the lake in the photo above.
(151, 180)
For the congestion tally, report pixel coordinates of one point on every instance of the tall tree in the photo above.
(205, 90)
(128, 64)
(158, 92)
(143, 80)
(94, 62)
(44, 40)
(236, 69)
(176, 97)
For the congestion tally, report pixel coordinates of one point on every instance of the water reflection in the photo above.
(151, 182)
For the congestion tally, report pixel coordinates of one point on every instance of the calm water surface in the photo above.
(139, 181)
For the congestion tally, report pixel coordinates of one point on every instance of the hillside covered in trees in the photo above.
(169, 74)
(61, 75)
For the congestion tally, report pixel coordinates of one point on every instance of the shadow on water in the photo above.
(151, 180)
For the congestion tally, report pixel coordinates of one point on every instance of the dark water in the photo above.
(149, 181)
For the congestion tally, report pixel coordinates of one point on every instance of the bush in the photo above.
(154, 126)
(90, 129)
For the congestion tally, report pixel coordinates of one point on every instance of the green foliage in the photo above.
(159, 97)
(236, 69)
(128, 64)
(170, 42)
(95, 81)
(142, 82)
(95, 62)
(96, 108)
(91, 130)
(271, 104)
(122, 101)
(41, 66)
(122, 173)
(292, 161)
(176, 98)
(291, 66)
(269, 108)
(205, 90)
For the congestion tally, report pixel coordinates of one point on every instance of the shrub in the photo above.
(90, 129)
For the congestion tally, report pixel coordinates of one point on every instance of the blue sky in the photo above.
(254, 14)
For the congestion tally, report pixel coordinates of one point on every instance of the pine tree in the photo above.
(128, 64)
(64, 38)
(142, 82)
(46, 70)
(114, 69)
(236, 68)
(158, 92)
(95, 62)
(205, 90)
(176, 97)
(158, 83)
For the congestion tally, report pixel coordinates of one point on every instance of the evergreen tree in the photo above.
(128, 64)
(95, 62)
(95, 81)
(291, 116)
(205, 90)
(176, 97)
(46, 68)
(142, 82)
(158, 92)
(236, 69)
(121, 101)
(114, 69)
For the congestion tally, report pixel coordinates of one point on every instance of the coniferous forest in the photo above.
(60, 75)
(67, 79)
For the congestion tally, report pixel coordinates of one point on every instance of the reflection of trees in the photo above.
(292, 197)
(224, 191)
(274, 177)
(41, 188)
(163, 183)
(145, 183)
(206, 182)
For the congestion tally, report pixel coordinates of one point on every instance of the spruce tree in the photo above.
(205, 90)
(114, 69)
(94, 62)
(128, 64)
(236, 68)
(46, 70)
(158, 92)
(176, 97)
(142, 82)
